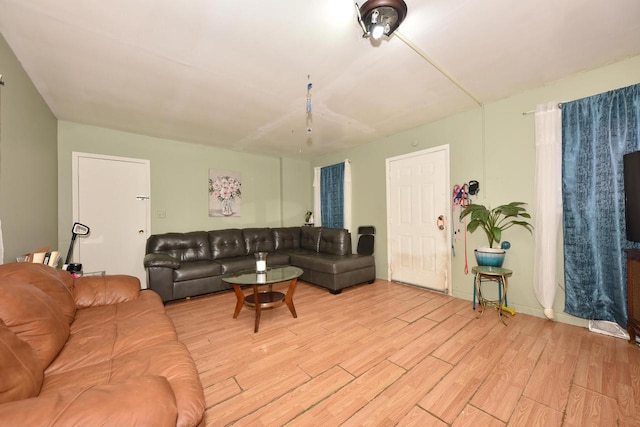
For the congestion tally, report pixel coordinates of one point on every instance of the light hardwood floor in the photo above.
(389, 354)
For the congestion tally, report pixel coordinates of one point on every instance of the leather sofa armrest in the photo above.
(161, 260)
(117, 404)
(89, 291)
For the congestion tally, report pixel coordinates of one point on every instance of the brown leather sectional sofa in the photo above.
(180, 265)
(90, 351)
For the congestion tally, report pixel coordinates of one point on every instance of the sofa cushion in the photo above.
(238, 263)
(332, 264)
(196, 270)
(105, 332)
(258, 240)
(335, 241)
(161, 260)
(34, 317)
(277, 258)
(21, 373)
(191, 246)
(286, 238)
(138, 401)
(169, 359)
(56, 284)
(310, 238)
(91, 291)
(227, 243)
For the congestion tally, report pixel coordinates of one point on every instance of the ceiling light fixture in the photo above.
(381, 17)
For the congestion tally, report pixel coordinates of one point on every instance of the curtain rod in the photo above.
(526, 113)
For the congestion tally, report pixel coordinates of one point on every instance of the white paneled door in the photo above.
(111, 197)
(418, 215)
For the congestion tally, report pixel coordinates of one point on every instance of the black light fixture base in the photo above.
(390, 14)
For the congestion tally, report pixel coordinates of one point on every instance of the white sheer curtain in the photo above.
(548, 204)
(317, 217)
(347, 195)
(1, 246)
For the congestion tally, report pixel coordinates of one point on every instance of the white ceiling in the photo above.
(234, 73)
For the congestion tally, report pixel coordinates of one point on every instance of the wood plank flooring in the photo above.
(388, 354)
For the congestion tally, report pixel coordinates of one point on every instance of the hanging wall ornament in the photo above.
(309, 111)
(309, 107)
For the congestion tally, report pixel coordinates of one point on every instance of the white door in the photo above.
(111, 197)
(418, 215)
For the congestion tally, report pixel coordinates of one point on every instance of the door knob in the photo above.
(141, 231)
(440, 222)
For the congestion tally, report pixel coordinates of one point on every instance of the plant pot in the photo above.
(491, 257)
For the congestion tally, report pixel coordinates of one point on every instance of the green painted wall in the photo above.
(501, 157)
(275, 191)
(28, 163)
(297, 192)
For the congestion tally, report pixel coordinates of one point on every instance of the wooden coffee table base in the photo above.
(267, 299)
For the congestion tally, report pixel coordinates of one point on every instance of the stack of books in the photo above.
(44, 256)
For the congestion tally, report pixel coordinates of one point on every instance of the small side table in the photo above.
(492, 274)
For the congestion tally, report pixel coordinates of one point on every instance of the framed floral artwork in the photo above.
(225, 193)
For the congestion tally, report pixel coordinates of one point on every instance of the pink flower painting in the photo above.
(225, 193)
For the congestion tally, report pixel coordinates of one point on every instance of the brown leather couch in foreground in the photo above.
(90, 351)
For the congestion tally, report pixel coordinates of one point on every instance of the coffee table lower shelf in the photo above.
(268, 299)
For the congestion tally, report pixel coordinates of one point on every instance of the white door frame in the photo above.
(75, 189)
(445, 148)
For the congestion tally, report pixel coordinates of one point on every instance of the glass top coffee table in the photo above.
(267, 298)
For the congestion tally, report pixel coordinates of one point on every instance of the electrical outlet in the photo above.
(162, 214)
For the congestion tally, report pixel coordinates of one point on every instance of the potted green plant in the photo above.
(493, 222)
